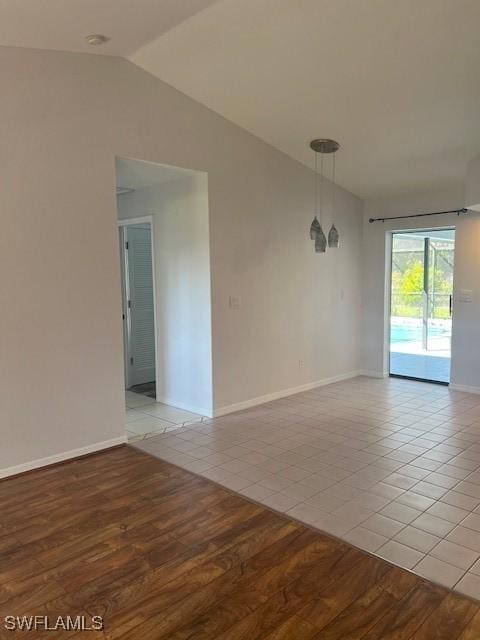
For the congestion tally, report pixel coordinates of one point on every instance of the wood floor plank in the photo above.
(119, 590)
(357, 619)
(195, 592)
(472, 630)
(173, 581)
(238, 602)
(284, 604)
(163, 554)
(330, 603)
(293, 628)
(448, 621)
(408, 614)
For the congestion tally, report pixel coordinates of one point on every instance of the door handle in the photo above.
(450, 304)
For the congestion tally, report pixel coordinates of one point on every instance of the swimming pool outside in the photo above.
(413, 333)
(409, 358)
(406, 336)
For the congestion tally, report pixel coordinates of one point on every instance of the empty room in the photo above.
(240, 360)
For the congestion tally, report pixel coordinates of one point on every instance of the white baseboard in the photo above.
(60, 457)
(373, 374)
(246, 404)
(185, 406)
(463, 387)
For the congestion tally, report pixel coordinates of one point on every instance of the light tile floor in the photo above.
(145, 417)
(391, 466)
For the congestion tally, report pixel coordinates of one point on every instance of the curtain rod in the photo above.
(419, 215)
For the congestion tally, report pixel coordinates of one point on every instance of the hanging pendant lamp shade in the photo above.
(315, 228)
(333, 237)
(316, 233)
(320, 242)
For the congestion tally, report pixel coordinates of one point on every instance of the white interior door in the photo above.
(138, 303)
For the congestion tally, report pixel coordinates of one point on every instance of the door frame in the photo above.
(388, 296)
(125, 222)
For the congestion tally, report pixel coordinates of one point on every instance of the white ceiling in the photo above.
(396, 82)
(63, 24)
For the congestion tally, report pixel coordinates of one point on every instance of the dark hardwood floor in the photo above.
(161, 553)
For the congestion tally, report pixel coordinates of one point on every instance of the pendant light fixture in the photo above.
(323, 146)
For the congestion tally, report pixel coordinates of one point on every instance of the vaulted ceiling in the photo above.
(396, 83)
(63, 24)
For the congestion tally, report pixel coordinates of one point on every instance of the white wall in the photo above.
(64, 119)
(472, 184)
(465, 371)
(179, 209)
(294, 304)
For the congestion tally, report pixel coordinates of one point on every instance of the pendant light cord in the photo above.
(334, 189)
(319, 199)
(321, 190)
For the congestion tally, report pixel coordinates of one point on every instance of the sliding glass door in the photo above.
(421, 304)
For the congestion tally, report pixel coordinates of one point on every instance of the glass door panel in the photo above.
(440, 294)
(421, 295)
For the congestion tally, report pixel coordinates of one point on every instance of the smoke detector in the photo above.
(96, 38)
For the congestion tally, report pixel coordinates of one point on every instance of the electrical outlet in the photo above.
(300, 364)
(234, 303)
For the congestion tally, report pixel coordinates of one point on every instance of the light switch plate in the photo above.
(465, 295)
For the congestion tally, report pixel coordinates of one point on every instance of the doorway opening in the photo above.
(421, 297)
(166, 309)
